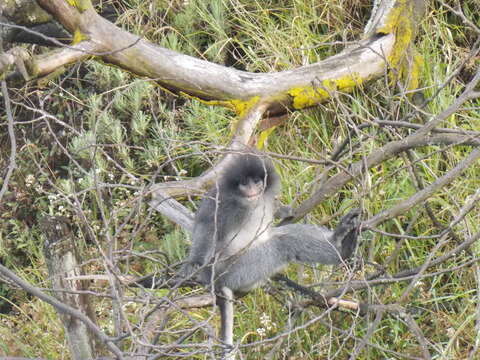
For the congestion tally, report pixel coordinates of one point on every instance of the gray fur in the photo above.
(235, 247)
(290, 243)
(226, 224)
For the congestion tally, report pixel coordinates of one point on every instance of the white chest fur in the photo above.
(253, 231)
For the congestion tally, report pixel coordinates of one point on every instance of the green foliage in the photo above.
(125, 133)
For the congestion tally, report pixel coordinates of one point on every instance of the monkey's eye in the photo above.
(257, 180)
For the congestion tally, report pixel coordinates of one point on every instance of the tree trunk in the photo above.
(62, 263)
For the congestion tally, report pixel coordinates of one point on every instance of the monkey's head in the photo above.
(249, 176)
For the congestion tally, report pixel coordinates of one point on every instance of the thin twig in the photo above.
(13, 141)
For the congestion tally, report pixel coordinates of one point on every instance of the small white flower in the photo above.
(267, 322)
(29, 180)
(419, 284)
(265, 319)
(261, 332)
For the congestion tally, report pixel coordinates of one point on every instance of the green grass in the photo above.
(123, 130)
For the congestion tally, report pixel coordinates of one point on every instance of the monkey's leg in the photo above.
(225, 303)
(307, 243)
(290, 243)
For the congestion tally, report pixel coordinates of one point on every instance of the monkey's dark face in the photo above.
(251, 188)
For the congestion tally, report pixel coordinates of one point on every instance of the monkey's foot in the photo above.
(349, 221)
(347, 231)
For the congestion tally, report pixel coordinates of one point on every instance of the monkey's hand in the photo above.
(189, 271)
(346, 233)
(283, 212)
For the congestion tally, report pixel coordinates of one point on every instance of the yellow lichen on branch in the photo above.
(403, 58)
(241, 107)
(81, 5)
(262, 138)
(78, 36)
(312, 95)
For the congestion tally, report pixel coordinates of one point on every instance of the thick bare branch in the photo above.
(45, 64)
(297, 88)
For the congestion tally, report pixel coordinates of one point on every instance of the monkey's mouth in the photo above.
(253, 197)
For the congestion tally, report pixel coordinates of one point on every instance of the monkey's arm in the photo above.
(203, 242)
(210, 231)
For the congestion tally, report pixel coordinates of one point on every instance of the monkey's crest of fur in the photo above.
(245, 166)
